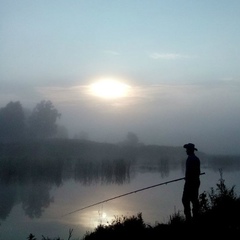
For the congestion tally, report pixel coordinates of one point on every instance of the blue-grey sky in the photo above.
(180, 59)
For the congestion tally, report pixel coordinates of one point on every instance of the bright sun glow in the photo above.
(109, 89)
(104, 215)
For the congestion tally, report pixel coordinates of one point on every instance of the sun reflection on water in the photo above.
(93, 218)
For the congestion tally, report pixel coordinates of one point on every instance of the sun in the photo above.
(109, 88)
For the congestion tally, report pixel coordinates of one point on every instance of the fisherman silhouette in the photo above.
(192, 183)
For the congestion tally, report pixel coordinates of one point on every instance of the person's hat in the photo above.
(190, 146)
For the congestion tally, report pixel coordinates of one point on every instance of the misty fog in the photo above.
(97, 98)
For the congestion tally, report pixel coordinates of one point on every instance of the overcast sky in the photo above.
(180, 60)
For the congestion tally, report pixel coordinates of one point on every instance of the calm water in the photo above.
(37, 206)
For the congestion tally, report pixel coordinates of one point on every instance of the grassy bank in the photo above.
(219, 216)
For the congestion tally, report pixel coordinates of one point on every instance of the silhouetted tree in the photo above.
(42, 121)
(132, 139)
(12, 123)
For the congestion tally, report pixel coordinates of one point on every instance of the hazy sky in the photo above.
(180, 60)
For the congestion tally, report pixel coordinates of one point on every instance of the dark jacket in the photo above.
(192, 172)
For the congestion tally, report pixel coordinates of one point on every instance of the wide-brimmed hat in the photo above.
(190, 146)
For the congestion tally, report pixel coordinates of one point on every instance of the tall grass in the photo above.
(219, 216)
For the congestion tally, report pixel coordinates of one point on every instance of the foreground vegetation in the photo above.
(219, 216)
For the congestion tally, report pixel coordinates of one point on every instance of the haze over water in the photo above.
(43, 194)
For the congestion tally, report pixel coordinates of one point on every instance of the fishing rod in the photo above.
(125, 194)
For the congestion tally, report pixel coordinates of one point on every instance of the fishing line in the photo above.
(125, 194)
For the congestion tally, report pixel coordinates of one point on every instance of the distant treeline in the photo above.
(17, 124)
(87, 161)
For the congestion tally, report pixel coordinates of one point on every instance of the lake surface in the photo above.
(45, 197)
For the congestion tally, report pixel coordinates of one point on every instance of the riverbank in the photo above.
(218, 216)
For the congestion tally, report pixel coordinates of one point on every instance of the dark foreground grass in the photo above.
(134, 228)
(219, 217)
